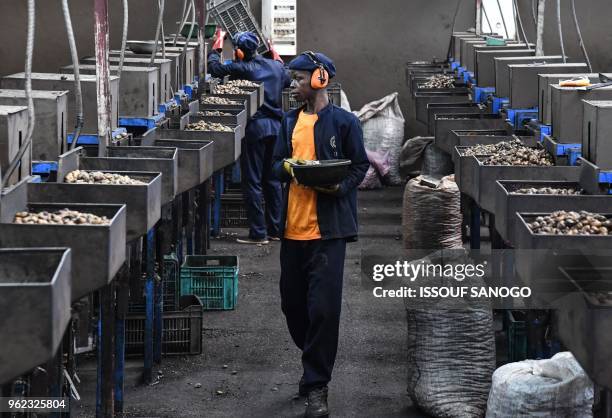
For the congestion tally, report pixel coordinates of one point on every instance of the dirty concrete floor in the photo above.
(250, 367)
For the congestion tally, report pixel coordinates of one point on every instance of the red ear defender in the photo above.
(239, 54)
(320, 78)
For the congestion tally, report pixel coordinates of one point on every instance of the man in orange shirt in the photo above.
(316, 223)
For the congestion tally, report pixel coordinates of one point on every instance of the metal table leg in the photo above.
(474, 226)
(149, 252)
(106, 351)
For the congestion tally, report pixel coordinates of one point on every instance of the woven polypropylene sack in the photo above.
(431, 217)
(383, 130)
(557, 387)
(436, 163)
(344, 101)
(451, 350)
(411, 156)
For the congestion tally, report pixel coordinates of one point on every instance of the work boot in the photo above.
(252, 241)
(317, 403)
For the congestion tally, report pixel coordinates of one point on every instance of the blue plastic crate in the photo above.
(213, 279)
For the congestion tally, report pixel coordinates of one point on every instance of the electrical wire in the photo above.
(77, 74)
(560, 31)
(484, 12)
(184, 15)
(163, 36)
(450, 42)
(520, 22)
(28, 93)
(533, 13)
(540, 28)
(584, 51)
(501, 13)
(193, 20)
(124, 36)
(160, 17)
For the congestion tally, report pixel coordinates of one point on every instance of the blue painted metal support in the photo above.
(571, 151)
(455, 65)
(518, 117)
(106, 352)
(119, 362)
(498, 104)
(545, 130)
(169, 105)
(481, 94)
(218, 181)
(99, 368)
(92, 139)
(149, 289)
(158, 317)
(148, 122)
(236, 173)
(474, 226)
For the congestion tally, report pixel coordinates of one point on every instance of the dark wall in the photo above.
(594, 19)
(369, 41)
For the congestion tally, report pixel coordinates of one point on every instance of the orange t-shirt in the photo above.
(302, 223)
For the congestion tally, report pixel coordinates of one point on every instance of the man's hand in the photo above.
(218, 40)
(287, 165)
(332, 190)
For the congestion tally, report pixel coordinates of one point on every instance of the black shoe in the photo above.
(317, 404)
(302, 391)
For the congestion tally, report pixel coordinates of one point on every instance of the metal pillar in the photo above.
(123, 295)
(161, 244)
(106, 349)
(149, 251)
(102, 75)
(218, 181)
(201, 18)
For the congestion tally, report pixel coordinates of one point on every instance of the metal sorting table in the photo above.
(472, 50)
(147, 159)
(138, 90)
(449, 108)
(417, 81)
(485, 63)
(50, 125)
(422, 99)
(250, 99)
(195, 160)
(98, 251)
(456, 42)
(446, 123)
(164, 66)
(143, 202)
(226, 148)
(177, 73)
(237, 117)
(35, 306)
(596, 144)
(13, 127)
(507, 204)
(524, 81)
(502, 70)
(55, 82)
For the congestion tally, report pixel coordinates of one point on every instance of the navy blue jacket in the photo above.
(337, 135)
(266, 122)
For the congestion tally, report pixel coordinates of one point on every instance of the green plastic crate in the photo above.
(213, 279)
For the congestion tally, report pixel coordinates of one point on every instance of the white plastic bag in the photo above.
(541, 388)
(383, 130)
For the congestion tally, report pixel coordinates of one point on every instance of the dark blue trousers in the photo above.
(259, 185)
(311, 298)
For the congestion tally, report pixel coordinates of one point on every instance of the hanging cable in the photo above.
(77, 74)
(520, 22)
(184, 15)
(160, 17)
(540, 28)
(28, 94)
(163, 36)
(450, 42)
(501, 13)
(533, 13)
(560, 30)
(484, 12)
(193, 20)
(584, 51)
(124, 35)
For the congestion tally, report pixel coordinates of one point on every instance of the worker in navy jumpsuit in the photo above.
(261, 131)
(312, 266)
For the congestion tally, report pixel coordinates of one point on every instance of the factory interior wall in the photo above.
(594, 19)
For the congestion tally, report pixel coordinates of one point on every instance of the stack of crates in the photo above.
(334, 91)
(213, 279)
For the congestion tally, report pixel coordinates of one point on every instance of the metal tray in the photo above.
(143, 202)
(226, 148)
(250, 99)
(448, 108)
(508, 204)
(584, 324)
(238, 107)
(446, 123)
(195, 161)
(35, 307)
(421, 101)
(148, 159)
(98, 251)
(238, 117)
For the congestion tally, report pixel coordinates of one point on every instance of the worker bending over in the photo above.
(317, 222)
(261, 131)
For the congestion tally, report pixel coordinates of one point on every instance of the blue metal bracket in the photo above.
(188, 89)
(572, 151)
(499, 103)
(544, 130)
(149, 122)
(166, 107)
(43, 167)
(481, 94)
(516, 117)
(92, 139)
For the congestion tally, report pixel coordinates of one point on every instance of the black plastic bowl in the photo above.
(325, 173)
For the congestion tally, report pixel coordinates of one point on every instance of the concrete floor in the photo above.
(250, 367)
